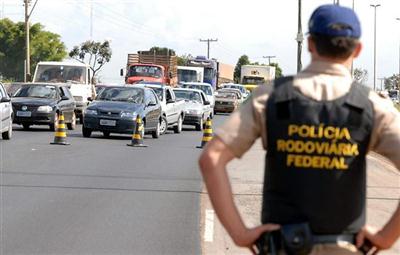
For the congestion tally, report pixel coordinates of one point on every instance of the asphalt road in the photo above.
(99, 196)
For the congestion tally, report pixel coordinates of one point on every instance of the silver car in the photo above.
(197, 107)
(5, 114)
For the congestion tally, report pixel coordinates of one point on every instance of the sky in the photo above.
(256, 28)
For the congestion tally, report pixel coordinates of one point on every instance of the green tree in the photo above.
(44, 46)
(360, 75)
(182, 60)
(393, 82)
(162, 51)
(278, 70)
(95, 54)
(243, 60)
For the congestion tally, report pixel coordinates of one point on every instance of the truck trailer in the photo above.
(253, 75)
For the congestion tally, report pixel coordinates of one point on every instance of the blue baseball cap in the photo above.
(335, 20)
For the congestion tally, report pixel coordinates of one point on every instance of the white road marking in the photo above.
(209, 228)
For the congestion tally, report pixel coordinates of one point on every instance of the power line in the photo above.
(208, 41)
(269, 59)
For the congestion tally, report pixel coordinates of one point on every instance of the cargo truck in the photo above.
(253, 75)
(151, 66)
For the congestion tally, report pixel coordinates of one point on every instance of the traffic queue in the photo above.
(116, 108)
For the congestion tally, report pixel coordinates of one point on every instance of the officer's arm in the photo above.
(213, 162)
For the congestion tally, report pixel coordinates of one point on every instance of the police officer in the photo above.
(317, 128)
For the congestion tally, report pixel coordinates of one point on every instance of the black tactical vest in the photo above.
(316, 159)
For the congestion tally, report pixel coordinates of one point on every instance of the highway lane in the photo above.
(99, 196)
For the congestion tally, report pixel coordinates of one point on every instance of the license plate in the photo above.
(108, 122)
(23, 114)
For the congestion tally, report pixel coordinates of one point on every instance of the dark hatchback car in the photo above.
(116, 108)
(39, 104)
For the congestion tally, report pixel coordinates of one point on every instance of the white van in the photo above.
(77, 75)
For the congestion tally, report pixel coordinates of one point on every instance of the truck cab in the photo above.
(78, 76)
(146, 72)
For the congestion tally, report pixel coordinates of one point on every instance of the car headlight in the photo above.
(129, 115)
(90, 112)
(45, 108)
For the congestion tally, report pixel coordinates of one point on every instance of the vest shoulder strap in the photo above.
(358, 96)
(282, 89)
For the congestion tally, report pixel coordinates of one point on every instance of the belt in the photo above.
(326, 239)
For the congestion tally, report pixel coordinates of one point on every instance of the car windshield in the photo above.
(243, 90)
(145, 71)
(253, 80)
(60, 74)
(133, 95)
(188, 95)
(227, 95)
(187, 75)
(206, 89)
(159, 92)
(37, 91)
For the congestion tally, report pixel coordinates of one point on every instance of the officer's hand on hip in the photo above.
(250, 236)
(376, 239)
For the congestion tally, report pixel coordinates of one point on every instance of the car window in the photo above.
(2, 91)
(37, 91)
(64, 92)
(153, 97)
(168, 95)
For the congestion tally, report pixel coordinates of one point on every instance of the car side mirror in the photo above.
(170, 101)
(64, 98)
(90, 99)
(206, 102)
(5, 99)
(151, 104)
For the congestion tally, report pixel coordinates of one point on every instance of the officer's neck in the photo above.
(346, 62)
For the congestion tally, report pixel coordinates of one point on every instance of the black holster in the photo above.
(294, 239)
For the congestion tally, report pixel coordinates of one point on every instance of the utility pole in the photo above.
(299, 40)
(208, 45)
(381, 79)
(27, 75)
(91, 19)
(269, 59)
(398, 19)
(375, 6)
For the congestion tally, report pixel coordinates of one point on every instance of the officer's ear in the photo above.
(357, 50)
(310, 44)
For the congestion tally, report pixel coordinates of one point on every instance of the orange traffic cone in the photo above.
(137, 139)
(207, 134)
(60, 135)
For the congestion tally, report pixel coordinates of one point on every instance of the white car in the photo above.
(5, 114)
(206, 88)
(240, 87)
(197, 107)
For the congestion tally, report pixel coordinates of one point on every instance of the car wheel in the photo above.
(86, 132)
(8, 134)
(26, 126)
(72, 125)
(54, 124)
(156, 133)
(178, 127)
(106, 134)
(163, 125)
(200, 125)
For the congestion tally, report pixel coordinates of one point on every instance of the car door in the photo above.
(151, 113)
(5, 110)
(172, 115)
(66, 106)
(206, 108)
